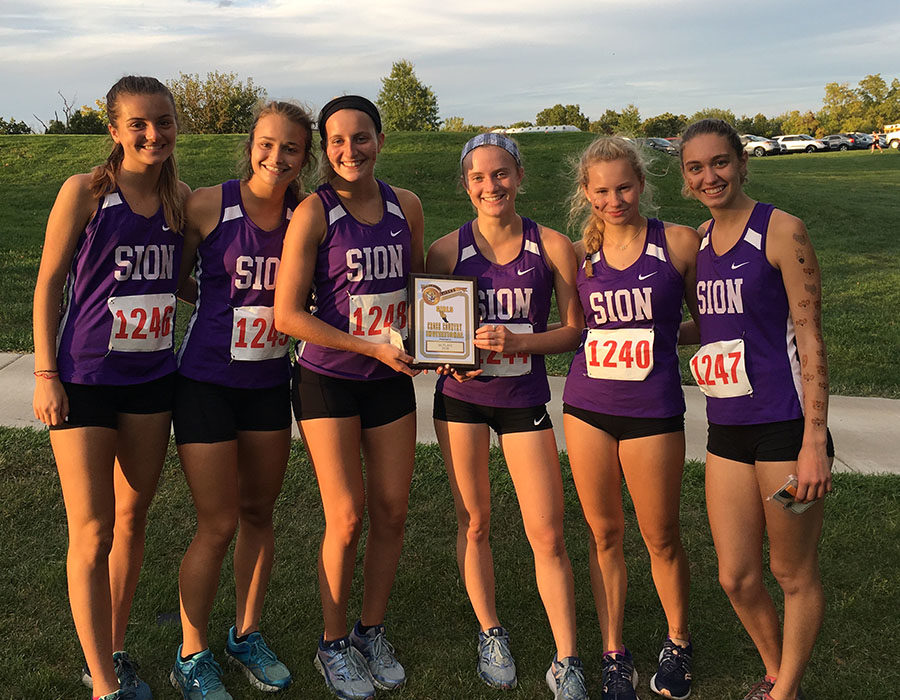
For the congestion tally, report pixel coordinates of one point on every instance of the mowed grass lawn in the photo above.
(848, 201)
(430, 620)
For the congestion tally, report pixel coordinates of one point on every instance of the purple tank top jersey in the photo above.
(359, 284)
(231, 338)
(117, 327)
(517, 295)
(634, 372)
(740, 296)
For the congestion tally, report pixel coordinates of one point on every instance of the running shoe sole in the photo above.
(254, 681)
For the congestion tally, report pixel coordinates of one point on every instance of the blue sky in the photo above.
(485, 64)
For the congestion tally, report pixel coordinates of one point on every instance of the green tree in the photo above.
(666, 124)
(605, 124)
(86, 121)
(520, 125)
(629, 123)
(218, 104)
(797, 122)
(561, 115)
(760, 125)
(842, 109)
(458, 124)
(725, 115)
(13, 127)
(55, 127)
(405, 103)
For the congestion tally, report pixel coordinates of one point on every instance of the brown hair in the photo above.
(718, 127)
(581, 213)
(292, 112)
(103, 177)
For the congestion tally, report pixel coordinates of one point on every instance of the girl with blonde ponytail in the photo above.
(104, 368)
(623, 405)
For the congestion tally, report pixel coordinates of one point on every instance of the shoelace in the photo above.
(616, 675)
(260, 654)
(675, 661)
(758, 690)
(208, 673)
(126, 671)
(347, 665)
(383, 650)
(495, 651)
(570, 681)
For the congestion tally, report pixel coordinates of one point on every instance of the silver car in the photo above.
(800, 142)
(759, 146)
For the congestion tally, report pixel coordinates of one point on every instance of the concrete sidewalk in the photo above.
(866, 431)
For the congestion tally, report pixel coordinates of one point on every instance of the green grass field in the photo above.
(848, 201)
(430, 619)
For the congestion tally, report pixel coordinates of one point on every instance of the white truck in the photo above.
(892, 135)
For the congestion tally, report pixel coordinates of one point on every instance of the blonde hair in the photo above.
(292, 112)
(103, 177)
(581, 214)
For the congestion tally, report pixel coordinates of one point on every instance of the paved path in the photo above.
(866, 431)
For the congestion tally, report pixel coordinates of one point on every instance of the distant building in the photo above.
(538, 129)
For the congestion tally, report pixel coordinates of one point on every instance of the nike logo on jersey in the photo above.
(165, 228)
(394, 234)
(735, 267)
(524, 272)
(538, 421)
(643, 277)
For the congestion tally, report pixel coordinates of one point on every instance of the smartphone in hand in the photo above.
(787, 496)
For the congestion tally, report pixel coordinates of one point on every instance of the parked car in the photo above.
(864, 140)
(759, 146)
(841, 142)
(800, 142)
(658, 144)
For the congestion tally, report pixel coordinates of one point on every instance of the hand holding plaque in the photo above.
(442, 321)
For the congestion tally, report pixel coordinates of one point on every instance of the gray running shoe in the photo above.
(345, 671)
(387, 673)
(126, 672)
(496, 666)
(566, 679)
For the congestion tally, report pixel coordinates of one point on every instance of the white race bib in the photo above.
(719, 369)
(141, 322)
(253, 334)
(373, 315)
(498, 364)
(619, 353)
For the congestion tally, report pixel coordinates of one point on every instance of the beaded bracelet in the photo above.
(46, 373)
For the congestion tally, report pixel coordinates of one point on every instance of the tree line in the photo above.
(223, 103)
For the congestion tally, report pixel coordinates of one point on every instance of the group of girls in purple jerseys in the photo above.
(123, 241)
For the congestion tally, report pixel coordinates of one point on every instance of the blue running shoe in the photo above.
(387, 673)
(200, 678)
(126, 672)
(673, 676)
(257, 661)
(566, 679)
(345, 670)
(496, 666)
(619, 677)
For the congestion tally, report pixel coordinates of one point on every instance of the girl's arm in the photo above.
(201, 214)
(562, 336)
(789, 249)
(683, 243)
(70, 214)
(295, 275)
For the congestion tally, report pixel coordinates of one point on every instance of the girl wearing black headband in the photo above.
(354, 243)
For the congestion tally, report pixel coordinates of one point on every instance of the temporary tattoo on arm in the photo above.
(808, 377)
(800, 237)
(822, 370)
(801, 322)
(823, 385)
(809, 270)
(804, 360)
(819, 405)
(811, 288)
(803, 303)
(818, 422)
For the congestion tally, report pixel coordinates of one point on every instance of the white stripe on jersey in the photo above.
(395, 210)
(467, 253)
(655, 251)
(232, 212)
(532, 247)
(790, 340)
(704, 242)
(754, 238)
(196, 312)
(289, 214)
(111, 200)
(336, 214)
